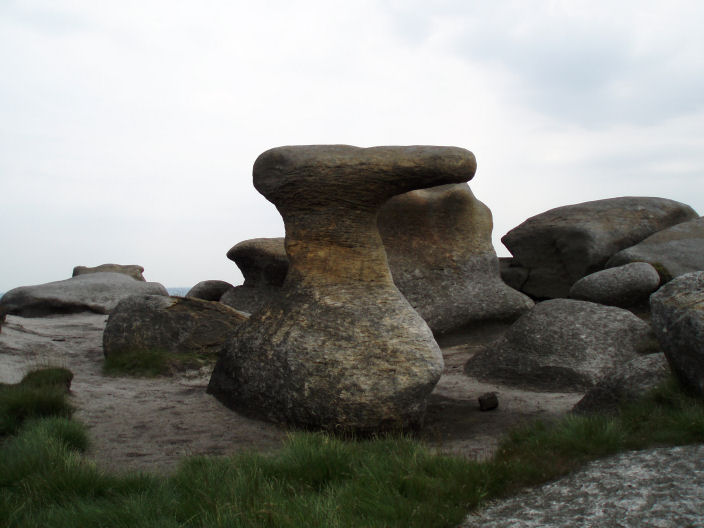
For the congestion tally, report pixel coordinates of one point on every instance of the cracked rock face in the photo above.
(339, 348)
(562, 245)
(438, 242)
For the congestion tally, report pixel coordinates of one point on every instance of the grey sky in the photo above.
(128, 129)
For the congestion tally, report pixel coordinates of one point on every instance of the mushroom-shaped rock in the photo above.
(264, 264)
(209, 290)
(438, 242)
(339, 348)
(94, 292)
(563, 345)
(674, 251)
(678, 321)
(562, 245)
(131, 270)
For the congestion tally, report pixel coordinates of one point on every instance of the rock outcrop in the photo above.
(678, 321)
(93, 292)
(563, 345)
(624, 286)
(339, 348)
(438, 244)
(144, 323)
(673, 251)
(562, 245)
(209, 290)
(626, 383)
(131, 270)
(264, 264)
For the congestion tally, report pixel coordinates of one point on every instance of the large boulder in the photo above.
(131, 270)
(626, 383)
(339, 348)
(563, 345)
(94, 292)
(678, 321)
(144, 323)
(438, 243)
(264, 264)
(673, 251)
(562, 245)
(624, 286)
(209, 290)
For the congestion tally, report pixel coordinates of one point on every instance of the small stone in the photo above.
(488, 401)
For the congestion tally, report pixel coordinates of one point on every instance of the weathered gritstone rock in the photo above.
(678, 322)
(209, 290)
(93, 292)
(438, 243)
(623, 286)
(673, 251)
(264, 264)
(564, 244)
(131, 270)
(563, 345)
(172, 324)
(626, 382)
(340, 348)
(657, 488)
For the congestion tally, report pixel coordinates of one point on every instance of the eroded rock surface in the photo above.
(562, 245)
(627, 382)
(264, 264)
(438, 243)
(339, 348)
(661, 488)
(131, 270)
(673, 251)
(209, 290)
(623, 286)
(94, 292)
(678, 320)
(563, 345)
(145, 323)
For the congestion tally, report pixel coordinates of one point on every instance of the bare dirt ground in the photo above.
(150, 424)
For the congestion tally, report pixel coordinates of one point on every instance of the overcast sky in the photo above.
(128, 129)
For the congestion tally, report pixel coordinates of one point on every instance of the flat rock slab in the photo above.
(93, 292)
(661, 488)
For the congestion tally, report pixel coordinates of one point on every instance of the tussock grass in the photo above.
(153, 363)
(317, 480)
(40, 393)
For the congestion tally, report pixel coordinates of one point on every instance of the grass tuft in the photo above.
(41, 393)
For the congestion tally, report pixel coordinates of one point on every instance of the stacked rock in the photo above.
(339, 348)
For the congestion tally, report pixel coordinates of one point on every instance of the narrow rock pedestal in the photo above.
(340, 348)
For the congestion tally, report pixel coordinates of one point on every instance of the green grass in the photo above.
(40, 393)
(317, 480)
(153, 363)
